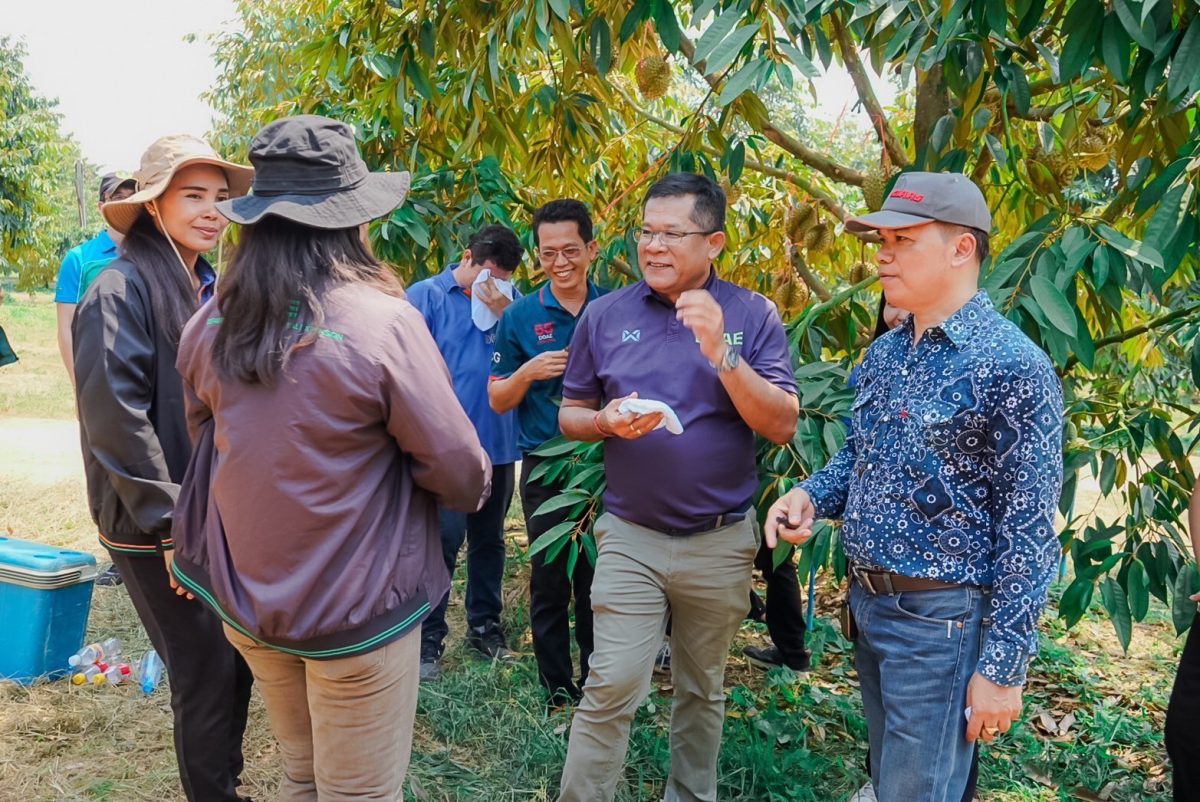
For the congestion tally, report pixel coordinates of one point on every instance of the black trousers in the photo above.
(785, 606)
(1183, 712)
(210, 683)
(550, 591)
(484, 533)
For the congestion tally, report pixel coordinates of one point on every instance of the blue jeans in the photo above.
(484, 533)
(915, 653)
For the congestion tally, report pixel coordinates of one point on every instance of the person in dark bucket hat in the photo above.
(309, 524)
(308, 170)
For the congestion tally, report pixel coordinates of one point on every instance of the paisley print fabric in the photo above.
(952, 470)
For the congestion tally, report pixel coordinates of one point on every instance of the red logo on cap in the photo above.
(904, 194)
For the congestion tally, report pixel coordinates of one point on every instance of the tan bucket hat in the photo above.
(160, 162)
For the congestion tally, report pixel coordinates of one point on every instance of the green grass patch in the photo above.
(37, 385)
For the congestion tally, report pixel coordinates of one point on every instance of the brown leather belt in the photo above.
(876, 581)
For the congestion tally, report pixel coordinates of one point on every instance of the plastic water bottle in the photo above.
(150, 671)
(113, 675)
(94, 652)
(88, 675)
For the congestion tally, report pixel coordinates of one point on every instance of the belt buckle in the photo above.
(864, 579)
(720, 521)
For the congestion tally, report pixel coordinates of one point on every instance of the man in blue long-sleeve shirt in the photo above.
(456, 306)
(946, 486)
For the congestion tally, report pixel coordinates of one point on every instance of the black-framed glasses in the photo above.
(668, 238)
(549, 256)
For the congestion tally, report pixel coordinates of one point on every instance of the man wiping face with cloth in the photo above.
(461, 307)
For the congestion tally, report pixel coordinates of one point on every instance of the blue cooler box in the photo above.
(45, 596)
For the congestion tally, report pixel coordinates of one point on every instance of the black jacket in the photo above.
(132, 421)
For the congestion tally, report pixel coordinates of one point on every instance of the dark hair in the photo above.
(270, 296)
(496, 243)
(564, 210)
(982, 244)
(172, 296)
(881, 326)
(708, 199)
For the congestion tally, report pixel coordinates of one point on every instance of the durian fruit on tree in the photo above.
(1092, 151)
(653, 75)
(733, 192)
(798, 221)
(791, 293)
(614, 59)
(819, 238)
(860, 272)
(874, 185)
(1050, 172)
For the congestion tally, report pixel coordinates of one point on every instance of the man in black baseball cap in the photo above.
(112, 183)
(947, 487)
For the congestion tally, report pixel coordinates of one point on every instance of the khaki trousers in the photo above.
(344, 726)
(643, 575)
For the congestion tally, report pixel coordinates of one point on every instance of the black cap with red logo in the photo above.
(920, 198)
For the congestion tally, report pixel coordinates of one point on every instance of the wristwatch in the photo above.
(728, 362)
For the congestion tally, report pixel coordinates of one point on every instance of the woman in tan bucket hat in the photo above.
(135, 443)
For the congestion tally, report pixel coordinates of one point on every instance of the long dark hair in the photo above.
(270, 296)
(172, 297)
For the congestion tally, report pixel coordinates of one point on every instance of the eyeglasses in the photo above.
(549, 257)
(668, 238)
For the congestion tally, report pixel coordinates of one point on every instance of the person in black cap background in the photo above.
(947, 487)
(82, 263)
(327, 434)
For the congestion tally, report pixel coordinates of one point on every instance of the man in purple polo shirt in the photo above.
(679, 534)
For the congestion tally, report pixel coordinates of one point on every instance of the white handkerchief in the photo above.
(646, 406)
(481, 315)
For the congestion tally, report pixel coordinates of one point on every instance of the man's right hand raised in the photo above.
(546, 365)
(790, 518)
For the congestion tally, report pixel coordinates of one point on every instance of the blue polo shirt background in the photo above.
(533, 325)
(83, 262)
(630, 340)
(468, 352)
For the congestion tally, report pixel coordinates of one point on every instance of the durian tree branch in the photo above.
(810, 314)
(866, 93)
(809, 156)
(622, 267)
(821, 196)
(1136, 331)
(1043, 113)
(807, 276)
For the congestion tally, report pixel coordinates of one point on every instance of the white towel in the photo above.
(481, 314)
(646, 406)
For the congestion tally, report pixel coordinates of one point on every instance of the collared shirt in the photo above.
(630, 340)
(533, 325)
(81, 265)
(952, 470)
(468, 352)
(208, 280)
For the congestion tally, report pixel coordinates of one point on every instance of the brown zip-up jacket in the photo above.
(308, 518)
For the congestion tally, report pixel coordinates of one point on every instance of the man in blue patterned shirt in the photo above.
(947, 487)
